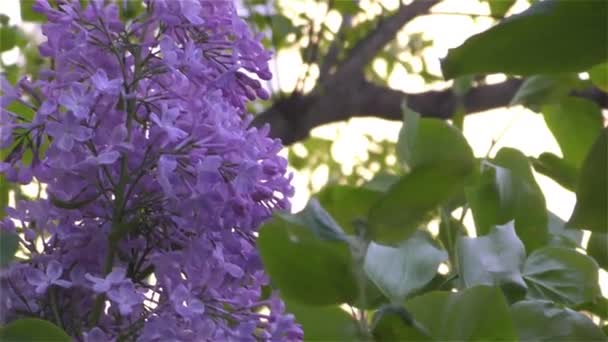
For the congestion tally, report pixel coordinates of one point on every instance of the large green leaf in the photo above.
(413, 200)
(499, 8)
(394, 323)
(562, 275)
(425, 141)
(557, 169)
(539, 90)
(599, 76)
(398, 271)
(508, 191)
(493, 259)
(304, 267)
(541, 320)
(32, 329)
(8, 37)
(476, 314)
(575, 123)
(591, 210)
(438, 159)
(327, 323)
(598, 248)
(9, 242)
(347, 203)
(549, 37)
(28, 14)
(315, 218)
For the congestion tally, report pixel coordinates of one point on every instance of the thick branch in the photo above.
(369, 46)
(291, 119)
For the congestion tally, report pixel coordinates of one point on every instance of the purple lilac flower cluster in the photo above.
(155, 181)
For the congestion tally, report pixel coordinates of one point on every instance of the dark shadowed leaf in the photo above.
(557, 169)
(541, 320)
(305, 268)
(591, 210)
(413, 200)
(347, 203)
(536, 41)
(394, 323)
(398, 271)
(598, 248)
(495, 259)
(476, 314)
(32, 329)
(328, 323)
(575, 123)
(9, 242)
(562, 275)
(439, 161)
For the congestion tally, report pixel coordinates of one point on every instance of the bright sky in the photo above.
(516, 127)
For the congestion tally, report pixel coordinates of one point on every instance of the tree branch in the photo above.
(369, 46)
(292, 118)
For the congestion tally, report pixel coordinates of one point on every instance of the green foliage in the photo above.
(541, 320)
(32, 329)
(28, 14)
(575, 123)
(493, 259)
(477, 314)
(399, 271)
(561, 275)
(325, 323)
(591, 194)
(9, 242)
(537, 41)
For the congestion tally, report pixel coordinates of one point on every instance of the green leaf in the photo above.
(507, 190)
(130, 9)
(475, 314)
(394, 323)
(575, 123)
(493, 259)
(28, 14)
(381, 182)
(32, 329)
(561, 236)
(413, 200)
(439, 160)
(598, 248)
(557, 169)
(428, 141)
(499, 8)
(305, 268)
(541, 320)
(549, 37)
(399, 271)
(591, 194)
(562, 275)
(8, 37)
(315, 218)
(539, 90)
(599, 76)
(329, 323)
(347, 203)
(9, 242)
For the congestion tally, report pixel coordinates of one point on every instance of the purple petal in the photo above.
(54, 270)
